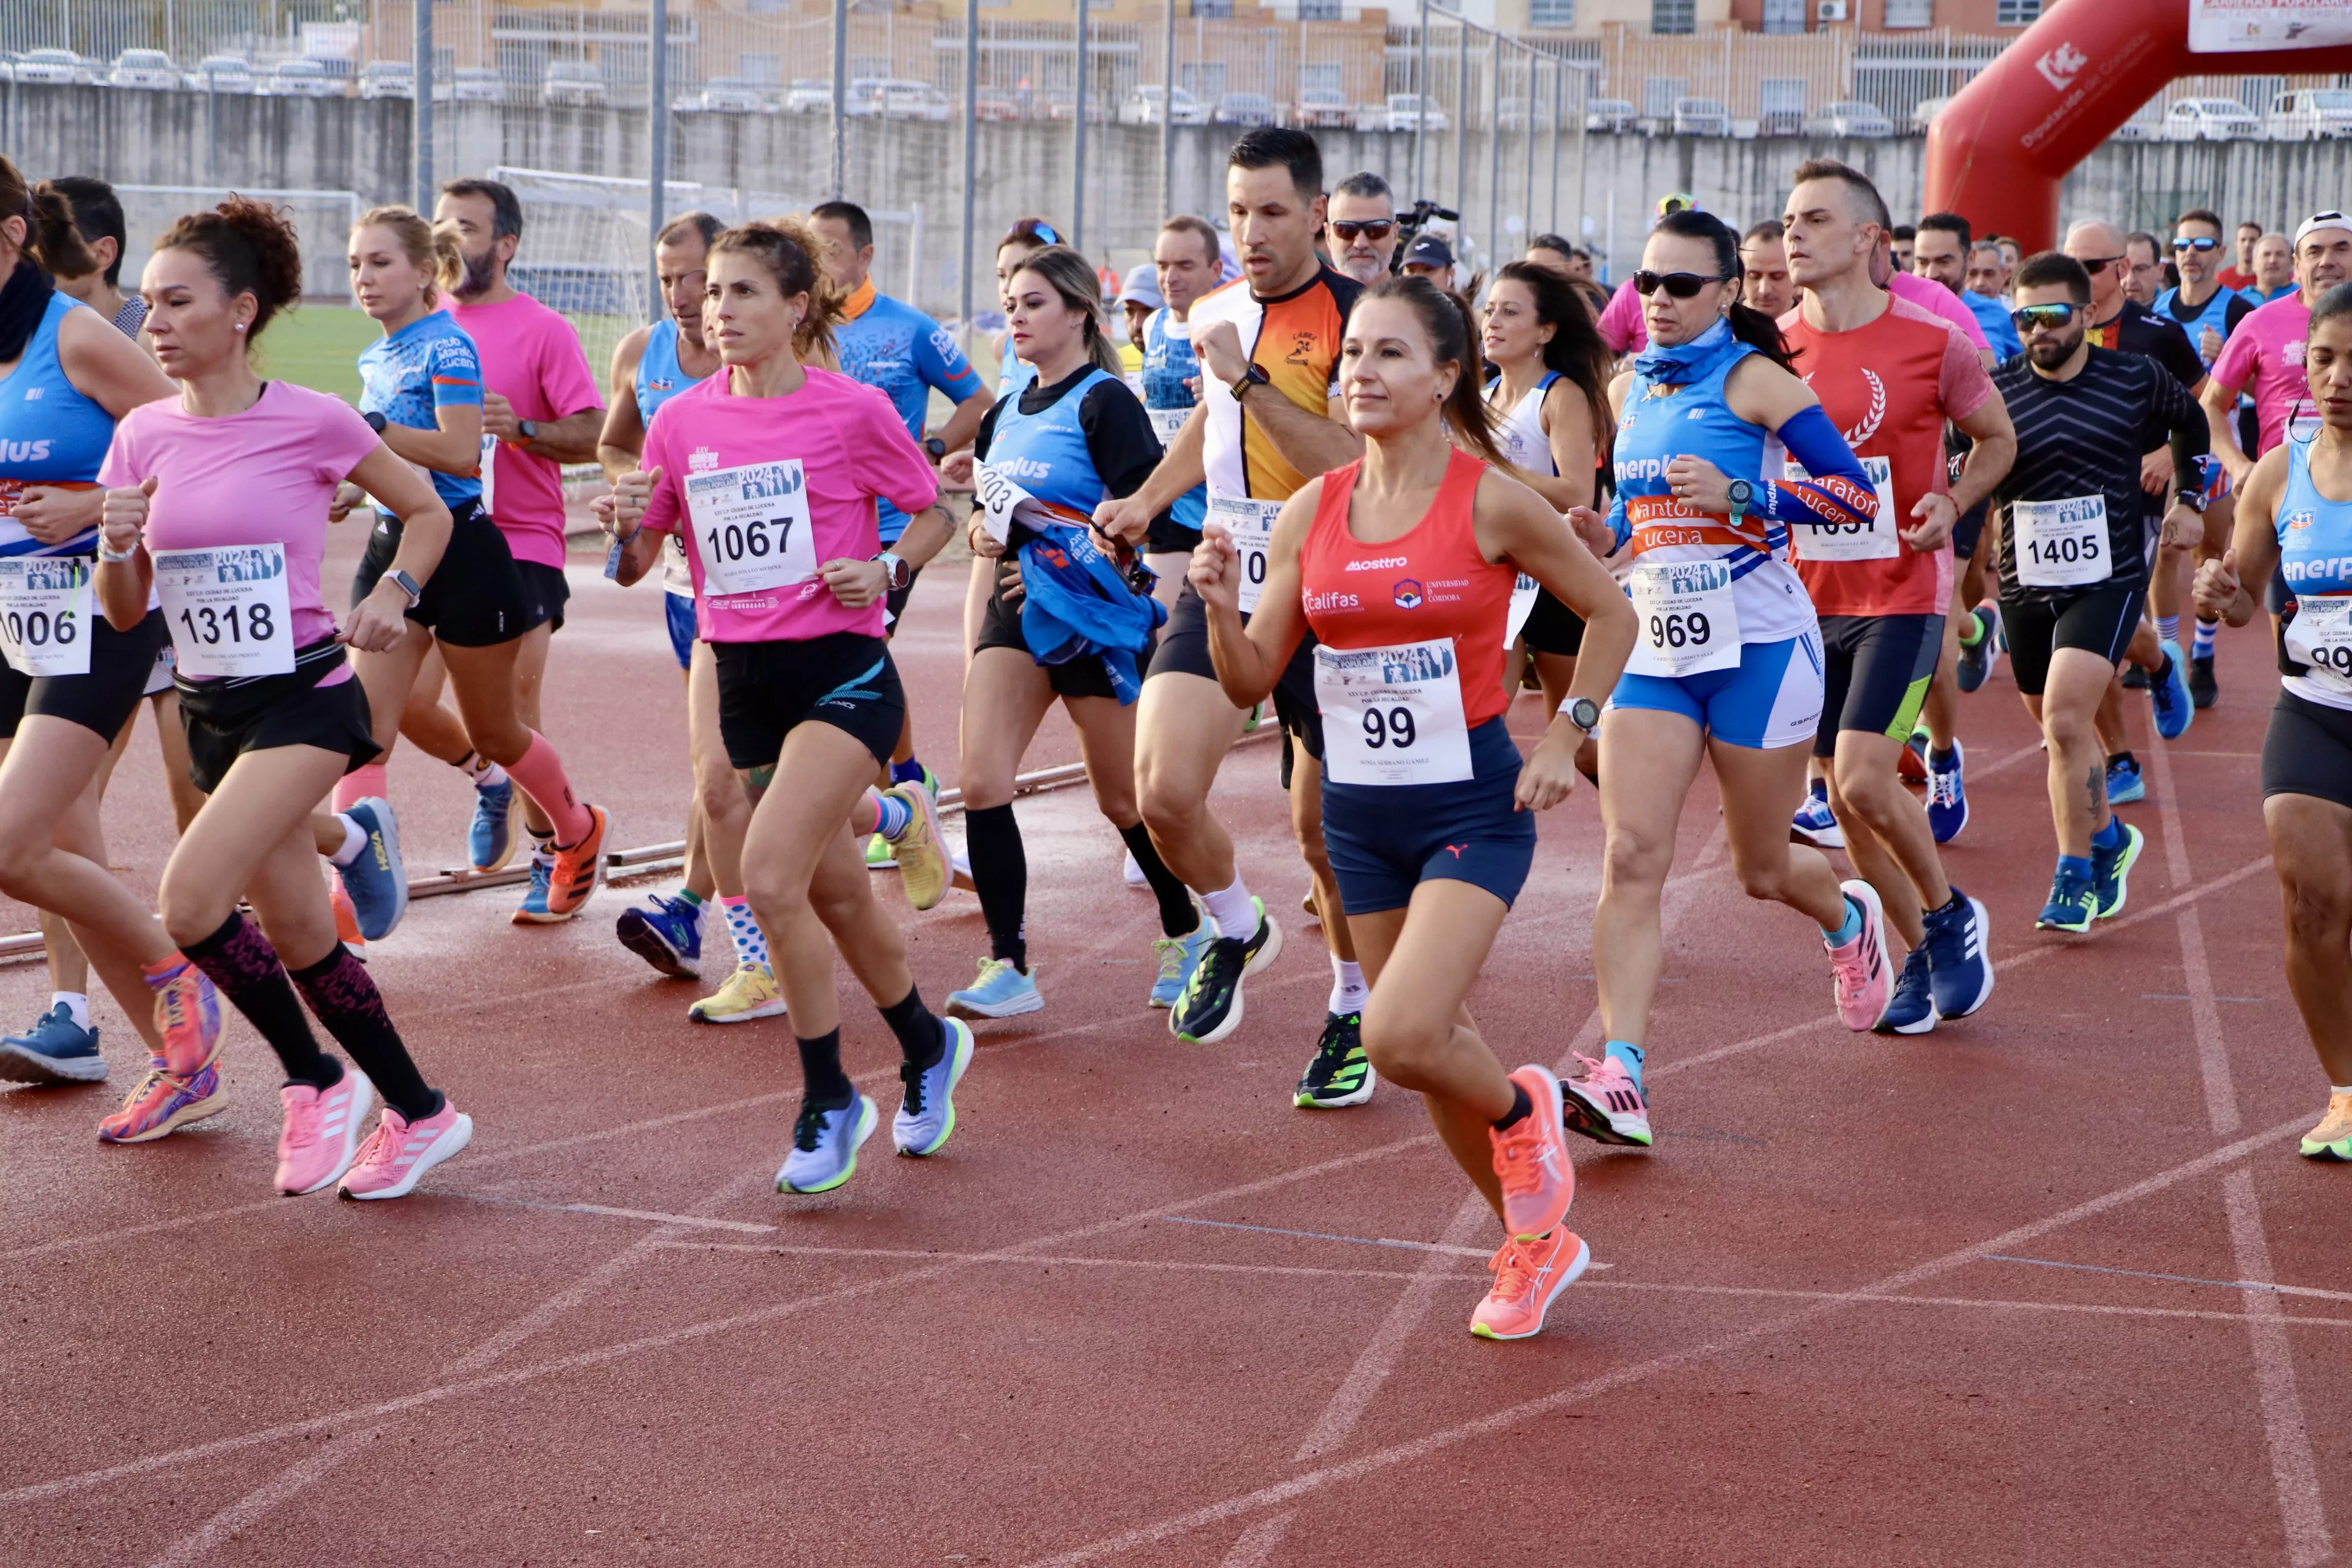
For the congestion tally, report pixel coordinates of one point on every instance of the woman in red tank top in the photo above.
(1402, 563)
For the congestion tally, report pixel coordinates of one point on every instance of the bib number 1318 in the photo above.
(228, 610)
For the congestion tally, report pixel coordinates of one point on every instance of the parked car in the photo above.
(2210, 120)
(1614, 115)
(1141, 106)
(1701, 117)
(1848, 118)
(1324, 108)
(997, 104)
(728, 95)
(299, 78)
(473, 84)
(863, 100)
(905, 99)
(62, 67)
(151, 69)
(221, 73)
(1057, 103)
(809, 95)
(1245, 109)
(1925, 114)
(1402, 112)
(2310, 115)
(391, 78)
(573, 84)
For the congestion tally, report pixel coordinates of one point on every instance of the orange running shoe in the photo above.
(188, 1018)
(579, 868)
(347, 920)
(1531, 1159)
(1528, 1275)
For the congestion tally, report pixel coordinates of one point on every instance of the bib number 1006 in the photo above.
(39, 629)
(212, 624)
(1388, 727)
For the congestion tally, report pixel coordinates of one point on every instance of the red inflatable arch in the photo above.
(1998, 151)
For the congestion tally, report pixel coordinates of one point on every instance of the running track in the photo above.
(2047, 1285)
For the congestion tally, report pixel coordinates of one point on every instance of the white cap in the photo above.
(2318, 221)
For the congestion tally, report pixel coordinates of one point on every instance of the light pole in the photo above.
(421, 119)
(1167, 112)
(1421, 117)
(840, 98)
(971, 127)
(657, 128)
(1078, 139)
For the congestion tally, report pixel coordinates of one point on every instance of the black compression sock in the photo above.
(823, 1083)
(922, 1037)
(2115, 757)
(346, 1001)
(1178, 917)
(1000, 875)
(1941, 759)
(1521, 1109)
(244, 968)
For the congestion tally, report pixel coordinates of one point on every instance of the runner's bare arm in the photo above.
(965, 423)
(2231, 587)
(1128, 518)
(379, 621)
(2221, 425)
(1311, 443)
(571, 439)
(122, 585)
(1990, 460)
(928, 532)
(621, 512)
(1250, 659)
(453, 446)
(623, 439)
(113, 373)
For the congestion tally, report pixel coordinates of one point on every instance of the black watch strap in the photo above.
(375, 421)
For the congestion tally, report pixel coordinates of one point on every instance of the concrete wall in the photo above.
(344, 144)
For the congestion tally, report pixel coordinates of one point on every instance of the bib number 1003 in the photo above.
(1389, 728)
(212, 624)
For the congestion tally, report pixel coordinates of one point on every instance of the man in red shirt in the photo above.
(2242, 276)
(1889, 374)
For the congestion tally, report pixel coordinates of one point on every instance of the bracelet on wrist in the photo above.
(111, 559)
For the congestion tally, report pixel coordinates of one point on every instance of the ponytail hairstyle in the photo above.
(1576, 350)
(249, 247)
(1453, 339)
(1751, 327)
(52, 243)
(432, 247)
(1071, 276)
(787, 247)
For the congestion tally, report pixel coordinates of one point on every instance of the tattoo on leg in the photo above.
(756, 782)
(2094, 788)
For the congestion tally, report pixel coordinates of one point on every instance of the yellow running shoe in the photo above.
(750, 993)
(922, 860)
(2332, 1139)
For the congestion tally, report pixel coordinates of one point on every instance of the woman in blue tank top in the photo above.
(2295, 517)
(1728, 665)
(1067, 435)
(70, 682)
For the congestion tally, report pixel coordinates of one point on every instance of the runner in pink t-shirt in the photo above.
(1620, 323)
(771, 469)
(2264, 354)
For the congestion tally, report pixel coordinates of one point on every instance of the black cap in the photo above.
(1427, 250)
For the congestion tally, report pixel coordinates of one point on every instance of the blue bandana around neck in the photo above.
(1686, 363)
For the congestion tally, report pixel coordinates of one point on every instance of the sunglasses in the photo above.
(1040, 232)
(1374, 229)
(2099, 263)
(1677, 285)
(2200, 244)
(2029, 317)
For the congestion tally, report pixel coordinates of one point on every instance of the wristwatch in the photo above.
(375, 421)
(526, 429)
(935, 448)
(1585, 714)
(1254, 376)
(406, 585)
(2193, 500)
(900, 573)
(1742, 492)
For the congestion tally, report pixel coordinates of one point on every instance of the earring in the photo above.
(240, 326)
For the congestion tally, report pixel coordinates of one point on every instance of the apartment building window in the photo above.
(1910, 13)
(1784, 15)
(1213, 10)
(1676, 16)
(2016, 13)
(1551, 13)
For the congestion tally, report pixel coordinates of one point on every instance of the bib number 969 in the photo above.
(1680, 629)
(1388, 727)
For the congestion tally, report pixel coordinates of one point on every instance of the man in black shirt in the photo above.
(2072, 567)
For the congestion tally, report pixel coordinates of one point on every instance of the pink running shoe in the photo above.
(1531, 1159)
(1605, 1104)
(1528, 1275)
(1858, 970)
(398, 1153)
(188, 1016)
(163, 1103)
(322, 1133)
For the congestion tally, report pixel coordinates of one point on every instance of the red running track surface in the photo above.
(1972, 1297)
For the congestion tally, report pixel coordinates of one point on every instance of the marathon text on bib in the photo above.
(1392, 715)
(45, 615)
(489, 472)
(1251, 522)
(2320, 635)
(1690, 622)
(1166, 422)
(1854, 542)
(1524, 589)
(227, 609)
(751, 527)
(2061, 543)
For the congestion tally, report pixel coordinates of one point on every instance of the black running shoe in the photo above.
(1340, 1075)
(1211, 1007)
(2202, 691)
(2135, 679)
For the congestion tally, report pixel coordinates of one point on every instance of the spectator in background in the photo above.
(2144, 277)
(2273, 268)
(1431, 257)
(2012, 253)
(1574, 263)
(1989, 272)
(1941, 255)
(1362, 223)
(1906, 238)
(98, 217)
(1764, 271)
(2242, 276)
(1138, 298)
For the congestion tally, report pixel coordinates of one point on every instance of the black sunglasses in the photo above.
(1374, 229)
(2028, 317)
(2199, 242)
(1677, 285)
(2098, 263)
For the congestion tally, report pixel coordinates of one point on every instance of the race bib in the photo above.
(2061, 543)
(1392, 715)
(2320, 635)
(44, 605)
(489, 473)
(1002, 502)
(1251, 522)
(1524, 589)
(1166, 422)
(1876, 541)
(751, 527)
(227, 611)
(1688, 622)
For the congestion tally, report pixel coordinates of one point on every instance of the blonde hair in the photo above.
(1071, 277)
(432, 246)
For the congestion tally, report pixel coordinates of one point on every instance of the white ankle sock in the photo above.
(354, 840)
(1232, 912)
(1348, 992)
(76, 1003)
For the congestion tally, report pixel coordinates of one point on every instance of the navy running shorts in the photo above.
(1386, 840)
(677, 614)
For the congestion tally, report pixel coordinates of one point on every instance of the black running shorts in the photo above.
(767, 689)
(105, 699)
(2099, 619)
(2308, 750)
(226, 718)
(1184, 651)
(1875, 674)
(475, 596)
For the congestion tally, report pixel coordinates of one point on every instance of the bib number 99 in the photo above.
(211, 625)
(1680, 629)
(39, 629)
(2334, 657)
(1388, 727)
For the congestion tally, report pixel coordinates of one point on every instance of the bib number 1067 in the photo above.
(736, 541)
(1388, 727)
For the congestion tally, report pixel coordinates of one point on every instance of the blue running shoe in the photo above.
(490, 840)
(1959, 974)
(1912, 1009)
(668, 936)
(1000, 991)
(54, 1050)
(925, 1116)
(1179, 956)
(2111, 869)
(533, 910)
(825, 1146)
(2168, 690)
(2125, 785)
(1948, 795)
(1815, 824)
(2074, 904)
(376, 882)
(1975, 664)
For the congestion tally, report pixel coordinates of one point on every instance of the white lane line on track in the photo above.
(1503, 1420)
(651, 1217)
(221, 1528)
(2312, 1292)
(1256, 1546)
